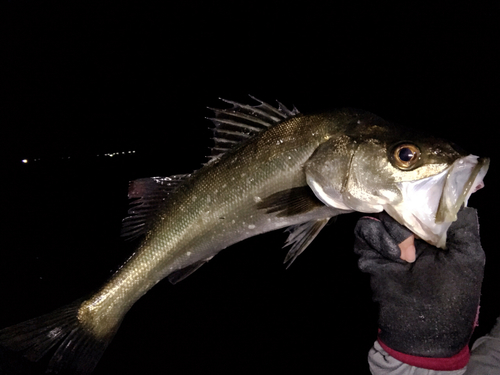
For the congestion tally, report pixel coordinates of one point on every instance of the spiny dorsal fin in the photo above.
(242, 121)
(148, 194)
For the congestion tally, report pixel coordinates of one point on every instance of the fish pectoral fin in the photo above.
(301, 235)
(181, 274)
(294, 201)
(147, 195)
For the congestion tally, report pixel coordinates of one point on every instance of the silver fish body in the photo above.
(271, 168)
(216, 207)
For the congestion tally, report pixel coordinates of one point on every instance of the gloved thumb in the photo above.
(402, 235)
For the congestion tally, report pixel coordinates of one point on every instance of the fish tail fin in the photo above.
(77, 349)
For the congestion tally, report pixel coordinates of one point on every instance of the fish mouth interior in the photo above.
(464, 178)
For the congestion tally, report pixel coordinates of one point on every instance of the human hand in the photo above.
(428, 307)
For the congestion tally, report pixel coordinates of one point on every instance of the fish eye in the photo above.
(406, 156)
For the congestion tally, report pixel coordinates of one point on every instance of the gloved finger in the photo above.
(396, 230)
(463, 234)
(371, 234)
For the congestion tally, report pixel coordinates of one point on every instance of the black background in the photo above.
(81, 79)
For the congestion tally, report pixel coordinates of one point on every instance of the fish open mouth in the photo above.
(430, 205)
(464, 178)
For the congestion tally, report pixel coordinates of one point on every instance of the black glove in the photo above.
(427, 308)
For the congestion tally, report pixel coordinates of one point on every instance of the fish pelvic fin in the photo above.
(300, 236)
(77, 349)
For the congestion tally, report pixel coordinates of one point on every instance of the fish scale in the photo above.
(186, 226)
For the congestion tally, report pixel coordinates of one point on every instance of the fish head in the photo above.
(420, 181)
(434, 180)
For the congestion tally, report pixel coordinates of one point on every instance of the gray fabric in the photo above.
(485, 354)
(381, 363)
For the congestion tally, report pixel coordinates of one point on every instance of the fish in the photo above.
(271, 168)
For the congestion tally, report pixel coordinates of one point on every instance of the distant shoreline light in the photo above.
(108, 154)
(111, 154)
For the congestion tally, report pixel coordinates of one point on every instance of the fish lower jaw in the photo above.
(433, 234)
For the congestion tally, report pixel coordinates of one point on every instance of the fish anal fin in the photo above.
(301, 235)
(294, 201)
(147, 195)
(181, 274)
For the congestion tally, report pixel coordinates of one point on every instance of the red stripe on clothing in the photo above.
(457, 362)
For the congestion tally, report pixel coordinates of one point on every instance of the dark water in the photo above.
(84, 81)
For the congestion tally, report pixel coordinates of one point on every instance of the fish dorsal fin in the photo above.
(301, 235)
(232, 127)
(242, 121)
(147, 195)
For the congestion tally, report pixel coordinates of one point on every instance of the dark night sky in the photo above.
(82, 79)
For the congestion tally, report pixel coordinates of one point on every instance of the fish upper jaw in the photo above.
(430, 205)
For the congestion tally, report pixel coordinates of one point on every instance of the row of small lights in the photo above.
(118, 153)
(109, 154)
